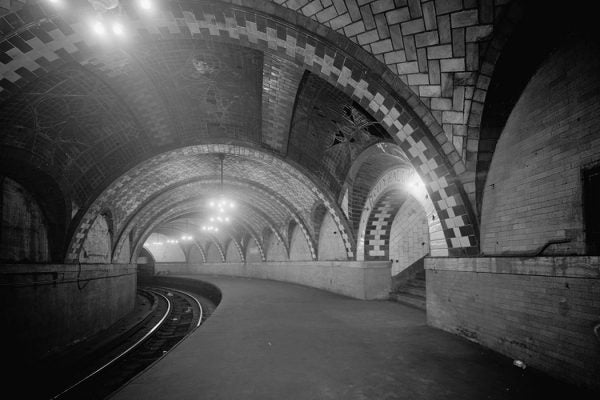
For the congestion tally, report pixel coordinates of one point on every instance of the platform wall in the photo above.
(539, 310)
(362, 280)
(48, 307)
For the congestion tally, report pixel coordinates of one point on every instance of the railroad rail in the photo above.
(177, 315)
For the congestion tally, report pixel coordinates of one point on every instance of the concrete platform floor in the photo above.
(273, 340)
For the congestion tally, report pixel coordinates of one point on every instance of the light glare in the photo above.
(98, 28)
(145, 5)
(118, 29)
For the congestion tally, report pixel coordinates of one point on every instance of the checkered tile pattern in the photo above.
(234, 242)
(198, 247)
(281, 78)
(132, 190)
(184, 199)
(379, 226)
(214, 242)
(28, 54)
(393, 179)
(434, 47)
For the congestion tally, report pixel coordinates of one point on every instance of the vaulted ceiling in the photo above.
(133, 124)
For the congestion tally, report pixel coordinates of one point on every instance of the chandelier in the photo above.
(105, 18)
(220, 207)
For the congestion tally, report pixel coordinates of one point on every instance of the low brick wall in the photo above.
(47, 307)
(539, 310)
(361, 280)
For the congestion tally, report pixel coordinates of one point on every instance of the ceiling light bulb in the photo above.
(118, 29)
(145, 5)
(216, 229)
(98, 28)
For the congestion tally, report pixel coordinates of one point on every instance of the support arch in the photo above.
(381, 93)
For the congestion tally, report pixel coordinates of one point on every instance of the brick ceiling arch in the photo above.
(251, 211)
(329, 130)
(75, 125)
(404, 116)
(433, 46)
(379, 224)
(243, 227)
(178, 227)
(47, 193)
(526, 34)
(275, 188)
(365, 172)
(401, 182)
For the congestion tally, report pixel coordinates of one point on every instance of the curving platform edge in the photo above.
(274, 340)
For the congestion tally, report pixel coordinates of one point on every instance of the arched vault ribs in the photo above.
(195, 245)
(162, 209)
(233, 242)
(383, 202)
(132, 191)
(379, 225)
(214, 241)
(195, 191)
(390, 102)
(179, 210)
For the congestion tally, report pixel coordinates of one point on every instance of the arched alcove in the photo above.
(299, 250)
(253, 251)
(24, 231)
(163, 249)
(331, 245)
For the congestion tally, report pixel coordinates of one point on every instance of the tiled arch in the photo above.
(382, 94)
(155, 214)
(234, 242)
(374, 213)
(370, 165)
(215, 242)
(379, 224)
(183, 226)
(196, 189)
(434, 47)
(119, 189)
(161, 202)
(177, 210)
(197, 246)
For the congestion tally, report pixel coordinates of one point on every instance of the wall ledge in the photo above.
(369, 280)
(19, 274)
(558, 266)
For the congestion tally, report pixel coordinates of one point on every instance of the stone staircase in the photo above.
(409, 287)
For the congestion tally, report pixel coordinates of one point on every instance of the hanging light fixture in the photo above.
(185, 237)
(220, 206)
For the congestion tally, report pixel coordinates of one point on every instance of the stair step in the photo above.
(409, 299)
(414, 290)
(416, 283)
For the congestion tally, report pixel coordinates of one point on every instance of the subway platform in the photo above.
(274, 340)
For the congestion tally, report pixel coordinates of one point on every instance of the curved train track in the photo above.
(176, 315)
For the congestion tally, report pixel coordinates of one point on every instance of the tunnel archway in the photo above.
(383, 96)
